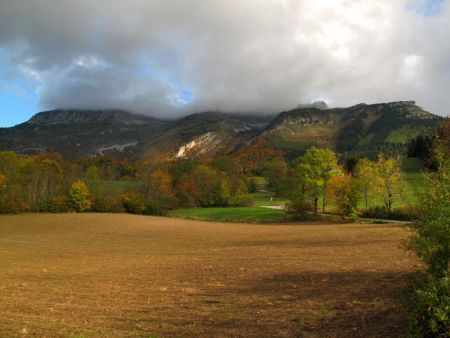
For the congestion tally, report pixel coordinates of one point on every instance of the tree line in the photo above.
(317, 180)
(47, 183)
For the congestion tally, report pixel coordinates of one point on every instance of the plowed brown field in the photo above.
(118, 275)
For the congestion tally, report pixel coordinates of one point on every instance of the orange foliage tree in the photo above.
(253, 156)
(157, 187)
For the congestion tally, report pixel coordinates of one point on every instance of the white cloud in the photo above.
(174, 56)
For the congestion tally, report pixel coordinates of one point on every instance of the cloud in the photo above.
(172, 57)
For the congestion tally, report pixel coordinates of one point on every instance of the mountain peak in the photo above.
(322, 105)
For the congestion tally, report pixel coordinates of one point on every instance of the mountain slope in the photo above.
(361, 130)
(80, 133)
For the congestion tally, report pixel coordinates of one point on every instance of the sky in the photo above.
(169, 58)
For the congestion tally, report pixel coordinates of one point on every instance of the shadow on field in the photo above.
(345, 304)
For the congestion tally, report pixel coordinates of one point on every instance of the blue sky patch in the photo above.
(425, 7)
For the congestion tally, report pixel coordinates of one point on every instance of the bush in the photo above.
(252, 185)
(431, 309)
(56, 204)
(134, 203)
(299, 206)
(11, 204)
(398, 214)
(431, 242)
(106, 204)
(242, 201)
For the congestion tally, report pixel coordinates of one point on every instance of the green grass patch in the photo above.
(240, 214)
(268, 198)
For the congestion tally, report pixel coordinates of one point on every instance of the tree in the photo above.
(316, 167)
(2, 181)
(42, 178)
(369, 179)
(227, 165)
(391, 179)
(253, 156)
(343, 192)
(275, 173)
(431, 241)
(79, 196)
(157, 187)
(206, 187)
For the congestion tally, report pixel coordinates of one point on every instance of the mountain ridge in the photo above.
(360, 129)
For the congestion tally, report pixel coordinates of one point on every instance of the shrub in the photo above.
(431, 309)
(252, 185)
(134, 203)
(398, 214)
(431, 241)
(56, 204)
(11, 203)
(242, 201)
(106, 204)
(299, 206)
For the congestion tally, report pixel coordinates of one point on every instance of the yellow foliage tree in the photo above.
(79, 196)
(341, 190)
(392, 181)
(368, 175)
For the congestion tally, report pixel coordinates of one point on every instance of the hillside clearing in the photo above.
(120, 275)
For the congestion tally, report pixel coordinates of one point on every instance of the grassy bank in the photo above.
(241, 214)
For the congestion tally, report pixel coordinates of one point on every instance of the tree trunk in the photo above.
(366, 196)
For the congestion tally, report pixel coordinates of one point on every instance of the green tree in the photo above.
(316, 167)
(79, 196)
(431, 241)
(275, 173)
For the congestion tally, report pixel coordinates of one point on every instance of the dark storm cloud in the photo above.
(171, 57)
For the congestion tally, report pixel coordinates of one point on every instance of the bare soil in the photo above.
(118, 275)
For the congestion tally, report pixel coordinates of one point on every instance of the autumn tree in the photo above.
(316, 167)
(392, 180)
(204, 186)
(42, 177)
(369, 179)
(252, 157)
(227, 165)
(342, 190)
(12, 198)
(79, 196)
(157, 187)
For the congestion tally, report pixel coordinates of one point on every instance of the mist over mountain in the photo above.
(361, 130)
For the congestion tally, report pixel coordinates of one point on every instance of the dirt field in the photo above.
(100, 275)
